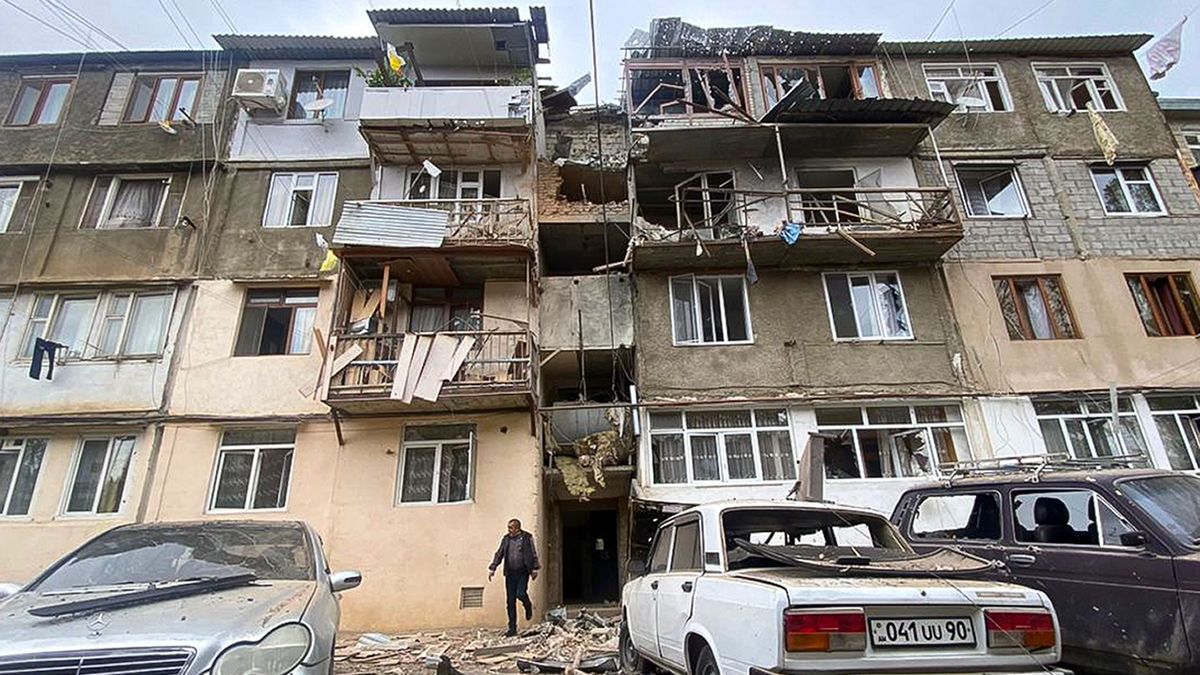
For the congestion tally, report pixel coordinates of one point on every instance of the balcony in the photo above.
(425, 223)
(589, 450)
(472, 370)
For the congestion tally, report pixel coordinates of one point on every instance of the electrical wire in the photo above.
(1025, 18)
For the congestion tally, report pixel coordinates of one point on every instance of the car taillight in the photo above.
(825, 630)
(1031, 630)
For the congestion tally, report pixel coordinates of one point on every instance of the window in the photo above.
(843, 81)
(446, 309)
(123, 202)
(98, 479)
(253, 469)
(20, 462)
(686, 554)
(277, 321)
(436, 464)
(1072, 86)
(892, 441)
(158, 98)
(1073, 517)
(1177, 417)
(40, 100)
(721, 445)
(867, 306)
(11, 194)
(1192, 138)
(1166, 303)
(662, 551)
(972, 87)
(1082, 428)
(102, 325)
(1127, 189)
(958, 516)
(991, 192)
(1171, 501)
(670, 90)
(710, 310)
(453, 184)
(1035, 308)
(827, 196)
(301, 200)
(311, 85)
(707, 201)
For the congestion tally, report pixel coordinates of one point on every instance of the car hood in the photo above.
(207, 622)
(803, 588)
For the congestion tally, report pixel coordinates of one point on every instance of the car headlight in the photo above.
(276, 654)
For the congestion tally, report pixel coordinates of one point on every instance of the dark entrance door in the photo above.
(590, 573)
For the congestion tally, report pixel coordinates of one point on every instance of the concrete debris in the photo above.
(381, 641)
(574, 477)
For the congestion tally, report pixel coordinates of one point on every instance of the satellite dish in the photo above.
(166, 126)
(972, 102)
(318, 105)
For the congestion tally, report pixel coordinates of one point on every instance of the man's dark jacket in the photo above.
(528, 560)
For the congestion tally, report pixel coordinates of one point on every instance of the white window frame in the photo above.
(938, 84)
(437, 469)
(874, 308)
(924, 427)
(1176, 415)
(1063, 107)
(998, 168)
(722, 453)
(95, 324)
(19, 183)
(1084, 417)
(111, 195)
(21, 446)
(1124, 183)
(291, 190)
(435, 183)
(125, 487)
(223, 451)
(696, 304)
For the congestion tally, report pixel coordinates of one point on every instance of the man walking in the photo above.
(520, 565)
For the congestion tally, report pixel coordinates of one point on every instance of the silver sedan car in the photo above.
(213, 598)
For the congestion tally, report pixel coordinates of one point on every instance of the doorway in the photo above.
(589, 556)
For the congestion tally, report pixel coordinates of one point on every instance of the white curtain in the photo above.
(136, 204)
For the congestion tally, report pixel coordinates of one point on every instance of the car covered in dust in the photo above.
(215, 597)
(745, 587)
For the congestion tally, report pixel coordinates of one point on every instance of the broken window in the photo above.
(827, 196)
(710, 310)
(1081, 428)
(721, 446)
(1072, 86)
(1166, 303)
(1035, 308)
(827, 81)
(708, 204)
(1127, 189)
(277, 321)
(971, 87)
(446, 309)
(1073, 517)
(1177, 417)
(974, 516)
(254, 468)
(312, 85)
(867, 306)
(98, 477)
(454, 184)
(662, 91)
(712, 88)
(892, 441)
(436, 464)
(158, 98)
(40, 100)
(301, 200)
(990, 192)
(20, 463)
(1191, 137)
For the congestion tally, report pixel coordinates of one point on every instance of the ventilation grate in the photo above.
(470, 597)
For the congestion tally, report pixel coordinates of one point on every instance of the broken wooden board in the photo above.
(366, 309)
(420, 352)
(485, 652)
(408, 347)
(460, 355)
(383, 289)
(344, 359)
(440, 353)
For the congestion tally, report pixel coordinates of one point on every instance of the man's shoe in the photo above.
(511, 632)
(529, 612)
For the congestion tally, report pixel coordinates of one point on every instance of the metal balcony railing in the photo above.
(479, 221)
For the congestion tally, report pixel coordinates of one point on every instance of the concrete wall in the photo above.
(604, 304)
(794, 350)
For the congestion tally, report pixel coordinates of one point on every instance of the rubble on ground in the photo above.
(586, 643)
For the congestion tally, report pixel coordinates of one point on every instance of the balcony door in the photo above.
(437, 309)
(827, 196)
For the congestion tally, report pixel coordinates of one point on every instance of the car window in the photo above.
(1172, 501)
(818, 533)
(1072, 517)
(686, 553)
(958, 516)
(662, 546)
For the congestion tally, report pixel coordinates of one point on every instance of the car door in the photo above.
(969, 519)
(1116, 603)
(673, 603)
(643, 595)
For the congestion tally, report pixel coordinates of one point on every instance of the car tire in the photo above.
(632, 662)
(706, 663)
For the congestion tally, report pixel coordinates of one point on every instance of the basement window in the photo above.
(98, 478)
(867, 306)
(20, 463)
(254, 468)
(301, 200)
(1166, 303)
(991, 192)
(710, 310)
(1035, 308)
(891, 441)
(277, 321)
(436, 464)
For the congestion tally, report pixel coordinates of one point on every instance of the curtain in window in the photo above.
(739, 457)
(274, 468)
(418, 475)
(147, 323)
(135, 204)
(1145, 311)
(706, 464)
(775, 450)
(72, 322)
(302, 329)
(683, 306)
(1035, 308)
(427, 318)
(1057, 304)
(278, 199)
(667, 458)
(114, 478)
(322, 207)
(234, 482)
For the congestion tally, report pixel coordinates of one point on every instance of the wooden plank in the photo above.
(460, 355)
(383, 289)
(440, 353)
(400, 376)
(345, 359)
(368, 308)
(320, 341)
(324, 377)
(424, 342)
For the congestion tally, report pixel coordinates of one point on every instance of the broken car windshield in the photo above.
(171, 554)
(818, 534)
(1173, 501)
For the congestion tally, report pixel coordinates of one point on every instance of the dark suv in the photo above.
(1117, 551)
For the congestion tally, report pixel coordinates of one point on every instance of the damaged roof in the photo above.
(1090, 45)
(300, 46)
(672, 36)
(795, 109)
(465, 16)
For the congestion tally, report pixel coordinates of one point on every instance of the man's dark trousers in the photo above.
(516, 585)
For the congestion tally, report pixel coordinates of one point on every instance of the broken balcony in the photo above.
(496, 223)
(589, 450)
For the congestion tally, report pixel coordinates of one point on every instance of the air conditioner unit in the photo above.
(260, 89)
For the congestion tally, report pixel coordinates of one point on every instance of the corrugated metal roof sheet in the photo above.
(300, 46)
(446, 16)
(1179, 104)
(1058, 45)
(366, 223)
(672, 36)
(793, 109)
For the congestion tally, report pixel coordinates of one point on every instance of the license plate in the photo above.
(943, 632)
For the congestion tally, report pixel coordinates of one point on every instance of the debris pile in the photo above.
(586, 643)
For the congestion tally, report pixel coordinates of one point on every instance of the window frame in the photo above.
(769, 69)
(323, 72)
(19, 182)
(1176, 416)
(1027, 212)
(223, 451)
(414, 173)
(999, 78)
(1093, 91)
(21, 447)
(180, 78)
(1027, 334)
(1084, 416)
(1155, 307)
(1052, 489)
(72, 477)
(911, 533)
(439, 444)
(1119, 171)
(696, 304)
(722, 451)
(683, 522)
(291, 190)
(283, 291)
(110, 195)
(874, 308)
(47, 82)
(101, 297)
(926, 429)
(740, 82)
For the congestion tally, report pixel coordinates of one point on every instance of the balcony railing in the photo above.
(502, 104)
(474, 222)
(497, 362)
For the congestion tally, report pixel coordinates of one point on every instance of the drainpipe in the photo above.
(787, 203)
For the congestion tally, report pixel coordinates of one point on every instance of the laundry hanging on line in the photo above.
(44, 350)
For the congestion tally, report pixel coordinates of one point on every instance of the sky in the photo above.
(183, 24)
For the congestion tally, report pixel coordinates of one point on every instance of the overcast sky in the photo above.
(144, 24)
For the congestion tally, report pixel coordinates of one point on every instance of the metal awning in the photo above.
(365, 223)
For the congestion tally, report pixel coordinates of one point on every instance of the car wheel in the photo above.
(632, 662)
(705, 664)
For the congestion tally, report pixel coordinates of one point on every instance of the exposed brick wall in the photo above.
(550, 204)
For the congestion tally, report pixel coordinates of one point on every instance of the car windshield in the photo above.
(823, 534)
(164, 554)
(1173, 501)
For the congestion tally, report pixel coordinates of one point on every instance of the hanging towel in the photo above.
(790, 234)
(1164, 54)
(1104, 136)
(751, 273)
(43, 349)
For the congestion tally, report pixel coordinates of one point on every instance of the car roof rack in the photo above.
(1037, 465)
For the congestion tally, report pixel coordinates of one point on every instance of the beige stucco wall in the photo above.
(1113, 349)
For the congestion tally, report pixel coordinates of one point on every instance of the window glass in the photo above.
(686, 554)
(20, 463)
(662, 551)
(25, 104)
(311, 85)
(148, 323)
(253, 469)
(301, 200)
(667, 458)
(960, 516)
(135, 203)
(39, 101)
(277, 322)
(437, 467)
(991, 191)
(1034, 308)
(71, 322)
(721, 445)
(709, 310)
(1067, 87)
(8, 206)
(101, 469)
(1128, 189)
(886, 443)
(1166, 303)
(1173, 502)
(867, 306)
(972, 87)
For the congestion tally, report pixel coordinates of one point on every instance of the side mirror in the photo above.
(8, 589)
(1133, 539)
(637, 568)
(344, 581)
